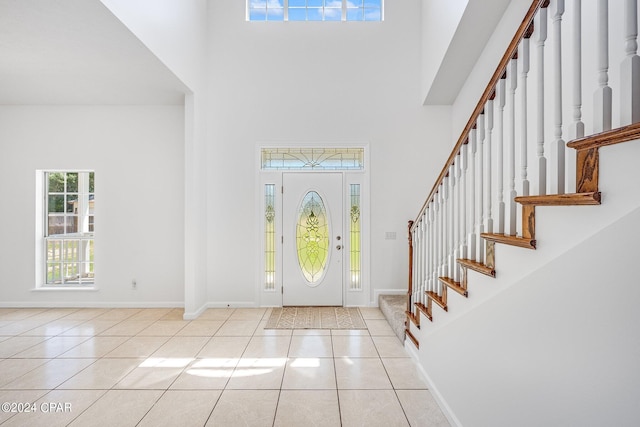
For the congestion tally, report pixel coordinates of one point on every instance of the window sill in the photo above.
(65, 288)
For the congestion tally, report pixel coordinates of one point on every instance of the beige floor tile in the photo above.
(248, 314)
(181, 347)
(49, 375)
(354, 346)
(181, 408)
(127, 328)
(150, 314)
(18, 328)
(238, 328)
(379, 328)
(404, 373)
(138, 347)
(261, 331)
(90, 328)
(86, 313)
(118, 314)
(371, 313)
(10, 369)
(206, 374)
(251, 408)
(309, 373)
(224, 347)
(18, 344)
(371, 408)
(118, 408)
(52, 347)
(361, 374)
(154, 373)
(53, 328)
(57, 408)
(257, 374)
(421, 409)
(349, 332)
(101, 375)
(94, 347)
(390, 347)
(201, 328)
(15, 397)
(22, 313)
(298, 332)
(311, 346)
(54, 313)
(216, 314)
(308, 408)
(271, 347)
(164, 328)
(174, 314)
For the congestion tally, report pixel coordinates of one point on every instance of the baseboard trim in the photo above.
(442, 403)
(85, 304)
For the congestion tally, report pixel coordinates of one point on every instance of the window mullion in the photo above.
(344, 10)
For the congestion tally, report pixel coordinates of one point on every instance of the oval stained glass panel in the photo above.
(312, 237)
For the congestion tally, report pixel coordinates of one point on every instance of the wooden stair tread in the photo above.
(454, 286)
(510, 240)
(574, 199)
(424, 310)
(610, 137)
(414, 319)
(413, 339)
(478, 267)
(437, 299)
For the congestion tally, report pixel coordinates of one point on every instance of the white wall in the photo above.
(137, 155)
(174, 30)
(560, 347)
(320, 82)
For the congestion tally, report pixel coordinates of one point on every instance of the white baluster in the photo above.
(513, 86)
(472, 194)
(558, 185)
(458, 224)
(437, 236)
(488, 168)
(524, 128)
(452, 221)
(630, 69)
(463, 209)
(414, 243)
(578, 125)
(443, 234)
(423, 255)
(603, 95)
(482, 147)
(431, 245)
(541, 30)
(501, 89)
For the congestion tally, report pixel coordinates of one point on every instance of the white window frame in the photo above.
(285, 10)
(83, 237)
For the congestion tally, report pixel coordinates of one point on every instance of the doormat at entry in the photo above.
(316, 318)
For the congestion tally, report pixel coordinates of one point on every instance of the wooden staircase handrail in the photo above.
(523, 30)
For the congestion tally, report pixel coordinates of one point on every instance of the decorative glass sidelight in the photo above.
(269, 236)
(354, 234)
(312, 237)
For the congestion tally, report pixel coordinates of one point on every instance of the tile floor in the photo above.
(148, 367)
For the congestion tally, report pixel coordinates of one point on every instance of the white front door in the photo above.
(312, 239)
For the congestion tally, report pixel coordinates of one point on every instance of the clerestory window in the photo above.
(314, 10)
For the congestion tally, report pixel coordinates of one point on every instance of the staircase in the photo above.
(483, 197)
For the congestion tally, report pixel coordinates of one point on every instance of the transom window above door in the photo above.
(314, 10)
(311, 158)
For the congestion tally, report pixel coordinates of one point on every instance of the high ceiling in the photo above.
(76, 52)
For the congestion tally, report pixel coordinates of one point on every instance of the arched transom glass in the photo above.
(312, 237)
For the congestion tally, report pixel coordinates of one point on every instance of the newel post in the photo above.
(410, 288)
